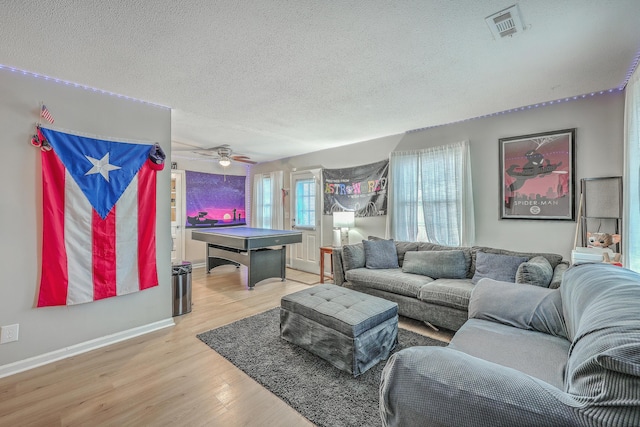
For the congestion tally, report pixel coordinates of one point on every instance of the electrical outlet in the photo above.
(9, 333)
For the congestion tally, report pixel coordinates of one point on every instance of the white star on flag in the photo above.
(102, 166)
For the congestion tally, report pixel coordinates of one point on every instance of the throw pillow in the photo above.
(497, 267)
(436, 264)
(380, 254)
(352, 256)
(537, 271)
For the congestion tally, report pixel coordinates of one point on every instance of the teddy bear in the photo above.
(604, 240)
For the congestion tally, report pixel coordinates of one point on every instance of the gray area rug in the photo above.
(323, 394)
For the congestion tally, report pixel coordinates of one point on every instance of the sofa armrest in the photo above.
(436, 386)
(558, 272)
(338, 267)
(518, 305)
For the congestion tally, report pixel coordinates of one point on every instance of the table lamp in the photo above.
(342, 222)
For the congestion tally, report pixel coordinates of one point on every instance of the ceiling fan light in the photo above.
(224, 162)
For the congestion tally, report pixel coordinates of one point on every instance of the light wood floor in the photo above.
(165, 378)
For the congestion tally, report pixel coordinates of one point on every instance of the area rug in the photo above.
(324, 395)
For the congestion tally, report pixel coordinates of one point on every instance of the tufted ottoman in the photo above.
(351, 330)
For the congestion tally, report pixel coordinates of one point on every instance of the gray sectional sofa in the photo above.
(528, 356)
(433, 283)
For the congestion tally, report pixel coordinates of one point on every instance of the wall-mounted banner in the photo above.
(214, 200)
(361, 189)
(98, 218)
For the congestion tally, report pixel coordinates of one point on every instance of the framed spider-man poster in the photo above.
(537, 176)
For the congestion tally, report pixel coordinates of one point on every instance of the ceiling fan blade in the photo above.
(185, 146)
(251, 162)
(223, 152)
(207, 153)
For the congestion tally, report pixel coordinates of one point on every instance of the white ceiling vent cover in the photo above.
(505, 23)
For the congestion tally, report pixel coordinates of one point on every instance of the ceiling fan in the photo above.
(224, 154)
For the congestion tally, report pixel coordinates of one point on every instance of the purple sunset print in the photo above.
(214, 200)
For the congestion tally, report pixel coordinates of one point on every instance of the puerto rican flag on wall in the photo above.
(99, 219)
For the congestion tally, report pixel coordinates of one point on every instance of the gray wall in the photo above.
(599, 152)
(43, 330)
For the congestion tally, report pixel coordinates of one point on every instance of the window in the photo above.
(631, 184)
(305, 204)
(430, 197)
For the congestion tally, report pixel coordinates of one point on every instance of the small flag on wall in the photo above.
(46, 114)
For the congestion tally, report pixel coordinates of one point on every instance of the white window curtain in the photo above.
(267, 202)
(256, 201)
(631, 178)
(431, 196)
(402, 218)
(277, 204)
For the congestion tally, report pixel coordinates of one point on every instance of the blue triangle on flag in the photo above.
(102, 169)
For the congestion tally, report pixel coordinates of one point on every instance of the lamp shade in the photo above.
(344, 219)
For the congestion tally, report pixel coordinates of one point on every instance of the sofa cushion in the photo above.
(402, 248)
(391, 280)
(468, 255)
(602, 320)
(353, 256)
(554, 259)
(497, 267)
(436, 264)
(537, 271)
(624, 358)
(448, 292)
(380, 254)
(535, 353)
(518, 305)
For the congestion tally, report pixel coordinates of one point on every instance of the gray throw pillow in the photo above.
(497, 267)
(380, 254)
(537, 271)
(352, 256)
(436, 264)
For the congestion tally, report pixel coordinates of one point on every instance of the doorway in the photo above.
(177, 216)
(305, 210)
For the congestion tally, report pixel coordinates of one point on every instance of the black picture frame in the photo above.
(537, 176)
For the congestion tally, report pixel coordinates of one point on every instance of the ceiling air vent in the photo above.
(505, 23)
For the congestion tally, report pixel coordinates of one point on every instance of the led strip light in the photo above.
(77, 85)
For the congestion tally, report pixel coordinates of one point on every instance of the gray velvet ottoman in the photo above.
(351, 330)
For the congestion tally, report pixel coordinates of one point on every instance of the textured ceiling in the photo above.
(280, 78)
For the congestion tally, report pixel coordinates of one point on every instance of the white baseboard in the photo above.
(83, 347)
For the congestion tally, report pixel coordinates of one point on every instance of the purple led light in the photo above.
(78, 85)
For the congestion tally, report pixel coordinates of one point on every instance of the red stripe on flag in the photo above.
(104, 255)
(147, 227)
(46, 114)
(54, 278)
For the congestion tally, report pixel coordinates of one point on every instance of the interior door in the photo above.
(177, 217)
(306, 217)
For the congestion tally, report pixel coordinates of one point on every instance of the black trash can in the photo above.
(181, 283)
